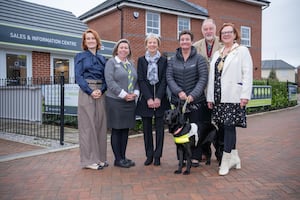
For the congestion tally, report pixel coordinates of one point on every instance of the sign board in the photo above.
(51, 99)
(35, 38)
(261, 96)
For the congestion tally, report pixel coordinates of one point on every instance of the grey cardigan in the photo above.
(116, 78)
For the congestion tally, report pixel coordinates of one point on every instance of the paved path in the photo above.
(269, 149)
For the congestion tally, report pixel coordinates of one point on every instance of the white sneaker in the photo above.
(93, 166)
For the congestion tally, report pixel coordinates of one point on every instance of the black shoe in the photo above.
(103, 164)
(122, 163)
(156, 161)
(130, 162)
(148, 161)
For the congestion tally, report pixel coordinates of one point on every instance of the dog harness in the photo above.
(185, 138)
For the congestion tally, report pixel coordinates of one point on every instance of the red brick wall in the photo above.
(109, 26)
(40, 64)
(240, 14)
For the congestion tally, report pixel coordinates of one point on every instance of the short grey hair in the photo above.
(155, 36)
(208, 20)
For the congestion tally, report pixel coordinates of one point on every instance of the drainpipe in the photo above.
(122, 20)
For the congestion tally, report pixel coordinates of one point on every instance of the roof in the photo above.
(178, 6)
(35, 16)
(276, 64)
(256, 2)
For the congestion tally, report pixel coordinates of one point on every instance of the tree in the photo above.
(272, 75)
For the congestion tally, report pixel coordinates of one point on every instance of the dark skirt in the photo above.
(120, 113)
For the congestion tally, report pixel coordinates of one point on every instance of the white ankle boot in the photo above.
(235, 161)
(224, 168)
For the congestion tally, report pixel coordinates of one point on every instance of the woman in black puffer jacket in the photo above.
(187, 77)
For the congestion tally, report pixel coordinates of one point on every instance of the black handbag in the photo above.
(241, 118)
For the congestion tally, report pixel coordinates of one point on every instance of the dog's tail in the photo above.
(211, 136)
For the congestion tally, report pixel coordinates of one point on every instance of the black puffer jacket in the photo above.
(189, 76)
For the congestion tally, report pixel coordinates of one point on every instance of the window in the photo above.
(152, 23)
(183, 24)
(246, 36)
(60, 65)
(16, 69)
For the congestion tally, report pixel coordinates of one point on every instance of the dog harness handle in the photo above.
(184, 105)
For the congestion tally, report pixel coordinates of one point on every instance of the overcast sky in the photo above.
(280, 31)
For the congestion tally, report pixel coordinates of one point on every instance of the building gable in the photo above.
(276, 64)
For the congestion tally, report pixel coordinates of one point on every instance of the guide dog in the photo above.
(189, 135)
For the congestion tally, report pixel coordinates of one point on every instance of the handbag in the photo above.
(241, 120)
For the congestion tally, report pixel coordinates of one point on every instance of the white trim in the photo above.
(28, 55)
(159, 22)
(2, 64)
(71, 64)
(246, 28)
(184, 18)
(255, 2)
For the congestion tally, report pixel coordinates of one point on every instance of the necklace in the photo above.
(223, 57)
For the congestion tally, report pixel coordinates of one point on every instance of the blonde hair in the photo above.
(152, 36)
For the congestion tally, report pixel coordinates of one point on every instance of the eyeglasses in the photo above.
(226, 33)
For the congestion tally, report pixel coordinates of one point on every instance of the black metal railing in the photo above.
(24, 107)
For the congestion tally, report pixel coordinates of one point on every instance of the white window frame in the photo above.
(246, 41)
(183, 19)
(71, 66)
(3, 62)
(152, 28)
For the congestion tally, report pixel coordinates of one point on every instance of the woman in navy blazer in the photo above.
(153, 100)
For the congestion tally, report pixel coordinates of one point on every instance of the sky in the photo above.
(280, 26)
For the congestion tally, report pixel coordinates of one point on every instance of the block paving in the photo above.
(269, 149)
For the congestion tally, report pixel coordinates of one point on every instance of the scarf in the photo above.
(152, 73)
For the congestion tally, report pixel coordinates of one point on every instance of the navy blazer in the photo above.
(147, 90)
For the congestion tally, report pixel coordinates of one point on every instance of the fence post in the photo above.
(62, 107)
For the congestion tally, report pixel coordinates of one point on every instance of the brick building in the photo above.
(132, 19)
(38, 41)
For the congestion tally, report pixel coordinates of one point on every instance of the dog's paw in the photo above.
(178, 172)
(186, 172)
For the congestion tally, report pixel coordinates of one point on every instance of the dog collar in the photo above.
(182, 139)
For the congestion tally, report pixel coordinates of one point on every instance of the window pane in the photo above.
(245, 36)
(183, 24)
(153, 23)
(61, 65)
(16, 69)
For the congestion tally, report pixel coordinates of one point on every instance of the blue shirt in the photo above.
(89, 66)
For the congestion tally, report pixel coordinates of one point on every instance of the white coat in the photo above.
(237, 76)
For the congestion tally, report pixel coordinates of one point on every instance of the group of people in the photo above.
(213, 76)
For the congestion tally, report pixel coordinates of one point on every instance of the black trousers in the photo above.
(119, 140)
(229, 138)
(150, 150)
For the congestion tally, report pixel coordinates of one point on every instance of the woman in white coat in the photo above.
(229, 90)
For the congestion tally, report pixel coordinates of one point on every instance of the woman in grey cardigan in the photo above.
(187, 75)
(122, 90)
